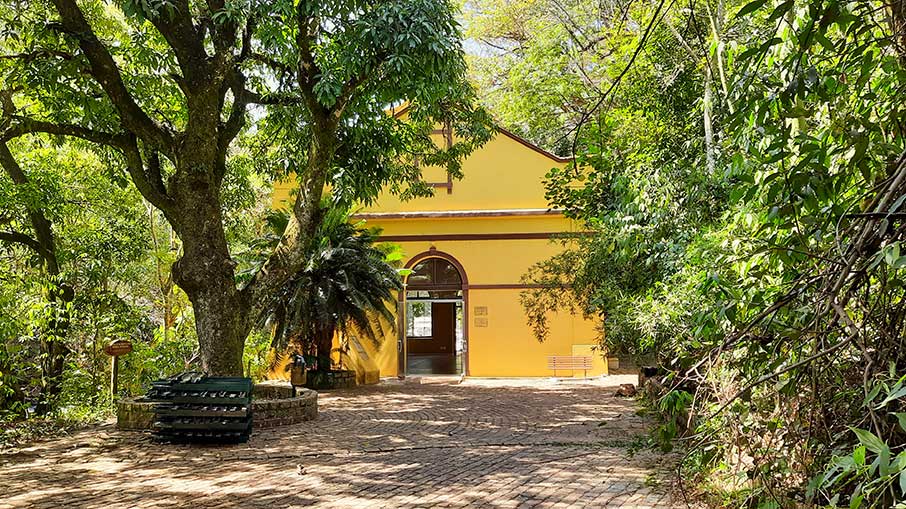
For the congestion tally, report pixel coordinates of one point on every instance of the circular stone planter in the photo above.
(272, 406)
(333, 379)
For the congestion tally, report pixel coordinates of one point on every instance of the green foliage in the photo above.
(396, 53)
(673, 409)
(202, 107)
(638, 179)
(875, 470)
(347, 285)
(205, 104)
(747, 207)
(72, 188)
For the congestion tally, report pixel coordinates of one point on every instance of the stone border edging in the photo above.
(266, 413)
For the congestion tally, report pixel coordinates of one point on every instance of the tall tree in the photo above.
(36, 235)
(58, 204)
(165, 86)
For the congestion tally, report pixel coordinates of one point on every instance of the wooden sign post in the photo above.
(114, 350)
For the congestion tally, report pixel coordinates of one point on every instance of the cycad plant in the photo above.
(347, 285)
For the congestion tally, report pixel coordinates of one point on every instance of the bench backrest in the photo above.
(569, 362)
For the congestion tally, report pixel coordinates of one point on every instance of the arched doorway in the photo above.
(433, 305)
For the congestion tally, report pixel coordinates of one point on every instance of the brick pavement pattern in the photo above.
(478, 444)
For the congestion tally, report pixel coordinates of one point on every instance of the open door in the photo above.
(432, 338)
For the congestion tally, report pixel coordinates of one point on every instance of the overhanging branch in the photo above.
(12, 237)
(43, 242)
(38, 53)
(107, 74)
(148, 180)
(274, 99)
(21, 126)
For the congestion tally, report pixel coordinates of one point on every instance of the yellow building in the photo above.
(468, 247)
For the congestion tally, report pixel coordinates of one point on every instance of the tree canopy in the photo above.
(740, 164)
(164, 88)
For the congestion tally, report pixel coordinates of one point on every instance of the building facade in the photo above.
(468, 247)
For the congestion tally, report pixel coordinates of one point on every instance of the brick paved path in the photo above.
(480, 444)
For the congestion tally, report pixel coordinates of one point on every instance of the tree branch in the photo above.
(174, 23)
(224, 32)
(246, 48)
(43, 243)
(107, 74)
(349, 88)
(21, 126)
(274, 99)
(271, 62)
(12, 237)
(38, 53)
(288, 256)
(148, 182)
(774, 374)
(236, 120)
(308, 70)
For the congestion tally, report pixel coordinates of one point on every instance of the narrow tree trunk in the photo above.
(707, 100)
(707, 104)
(52, 348)
(898, 27)
(324, 346)
(716, 20)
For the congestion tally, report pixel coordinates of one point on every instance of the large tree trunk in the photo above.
(206, 271)
(222, 327)
(221, 316)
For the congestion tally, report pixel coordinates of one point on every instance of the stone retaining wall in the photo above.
(266, 413)
(270, 413)
(336, 379)
(271, 389)
(133, 415)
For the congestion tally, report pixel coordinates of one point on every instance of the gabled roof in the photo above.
(403, 108)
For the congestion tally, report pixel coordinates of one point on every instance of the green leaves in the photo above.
(736, 273)
(871, 441)
(901, 417)
(347, 285)
(750, 7)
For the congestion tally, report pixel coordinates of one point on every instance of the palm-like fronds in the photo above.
(346, 285)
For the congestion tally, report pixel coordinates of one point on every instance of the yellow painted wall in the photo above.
(506, 347)
(503, 175)
(489, 261)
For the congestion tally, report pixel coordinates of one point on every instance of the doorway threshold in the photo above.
(433, 379)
